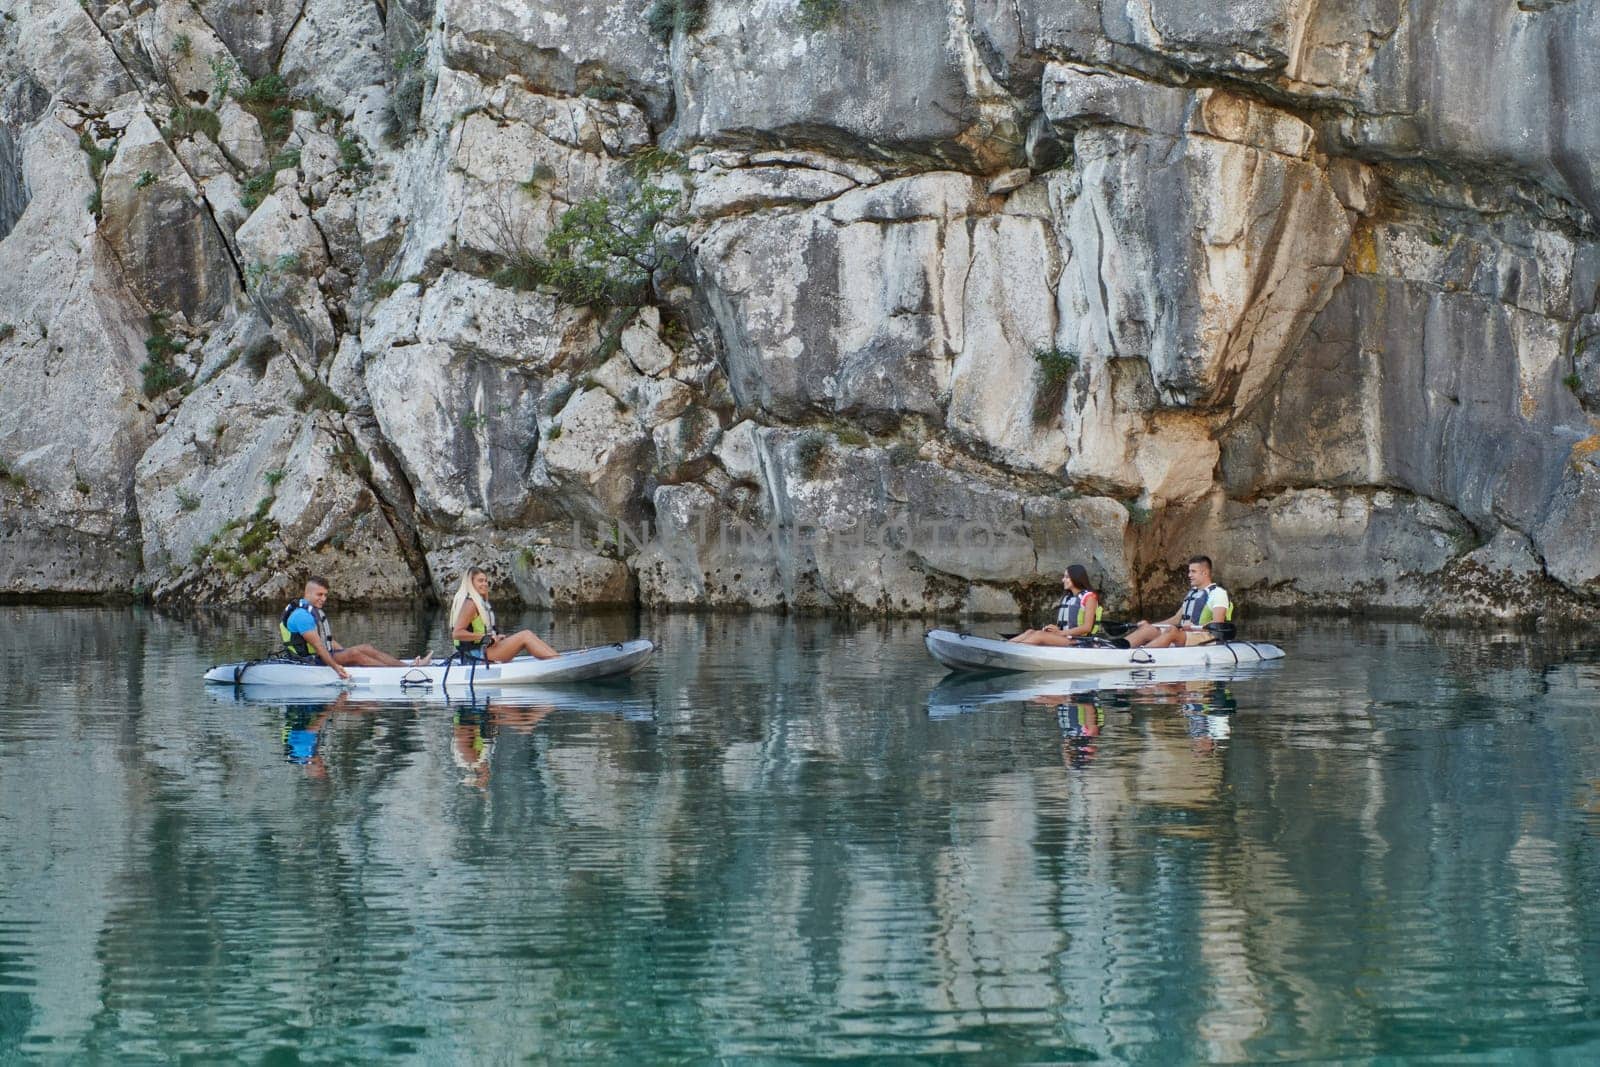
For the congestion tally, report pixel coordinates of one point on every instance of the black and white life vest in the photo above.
(1071, 607)
(1196, 609)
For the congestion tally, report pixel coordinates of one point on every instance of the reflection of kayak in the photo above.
(966, 652)
(964, 693)
(582, 665)
(619, 700)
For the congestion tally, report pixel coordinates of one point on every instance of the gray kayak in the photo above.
(581, 665)
(962, 693)
(967, 652)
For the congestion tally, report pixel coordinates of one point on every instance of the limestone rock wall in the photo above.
(901, 305)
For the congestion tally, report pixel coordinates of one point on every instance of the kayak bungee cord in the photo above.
(472, 670)
(238, 671)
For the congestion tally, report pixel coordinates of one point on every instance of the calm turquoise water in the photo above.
(788, 839)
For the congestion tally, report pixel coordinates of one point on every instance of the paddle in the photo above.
(1112, 638)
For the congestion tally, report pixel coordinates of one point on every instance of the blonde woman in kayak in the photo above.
(1077, 615)
(472, 626)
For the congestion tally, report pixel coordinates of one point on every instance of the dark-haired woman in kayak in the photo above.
(1077, 615)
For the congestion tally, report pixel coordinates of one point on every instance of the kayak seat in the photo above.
(286, 657)
(1222, 631)
(1098, 641)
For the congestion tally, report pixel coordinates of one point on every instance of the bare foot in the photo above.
(424, 659)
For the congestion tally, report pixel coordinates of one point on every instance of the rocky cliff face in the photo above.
(884, 305)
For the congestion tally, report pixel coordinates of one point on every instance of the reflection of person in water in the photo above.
(1080, 718)
(1206, 707)
(474, 729)
(303, 725)
(472, 743)
(302, 736)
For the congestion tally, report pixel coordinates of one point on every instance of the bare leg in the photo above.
(522, 641)
(365, 656)
(1051, 638)
(1144, 635)
(1168, 638)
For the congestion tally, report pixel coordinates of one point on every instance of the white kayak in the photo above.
(959, 694)
(617, 697)
(581, 665)
(967, 652)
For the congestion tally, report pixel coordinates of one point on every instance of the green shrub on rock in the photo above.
(98, 157)
(317, 395)
(405, 106)
(270, 90)
(1052, 371)
(603, 252)
(811, 453)
(815, 14)
(667, 17)
(257, 188)
(223, 72)
(157, 371)
(351, 157)
(187, 121)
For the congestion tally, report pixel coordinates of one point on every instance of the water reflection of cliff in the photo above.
(1386, 841)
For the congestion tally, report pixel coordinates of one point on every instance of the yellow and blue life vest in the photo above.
(295, 643)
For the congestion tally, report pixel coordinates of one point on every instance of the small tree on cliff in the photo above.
(603, 251)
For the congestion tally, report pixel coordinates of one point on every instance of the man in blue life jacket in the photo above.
(305, 633)
(1206, 603)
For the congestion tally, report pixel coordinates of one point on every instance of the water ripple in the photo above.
(783, 841)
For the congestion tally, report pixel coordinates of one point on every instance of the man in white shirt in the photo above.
(1206, 603)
